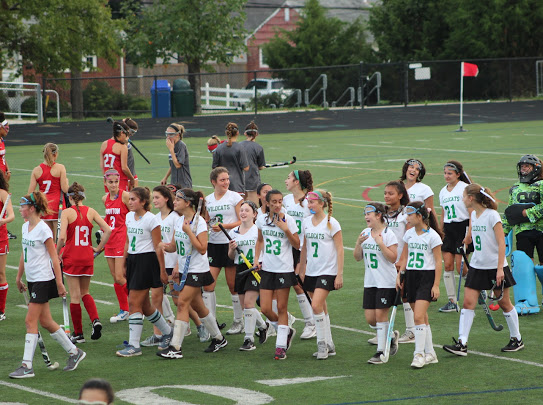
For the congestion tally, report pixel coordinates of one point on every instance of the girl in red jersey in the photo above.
(78, 258)
(114, 155)
(116, 203)
(4, 130)
(51, 179)
(4, 246)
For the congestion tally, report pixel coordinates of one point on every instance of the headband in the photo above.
(296, 174)
(182, 195)
(4, 123)
(483, 192)
(409, 210)
(452, 166)
(172, 188)
(412, 162)
(26, 201)
(315, 195)
(370, 208)
(111, 172)
(250, 204)
(211, 148)
(81, 193)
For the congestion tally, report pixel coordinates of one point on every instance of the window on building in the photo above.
(261, 59)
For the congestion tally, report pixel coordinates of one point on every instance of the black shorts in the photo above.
(418, 285)
(217, 254)
(199, 279)
(528, 240)
(324, 282)
(378, 298)
(246, 282)
(143, 271)
(455, 232)
(42, 291)
(169, 271)
(277, 281)
(478, 279)
(296, 257)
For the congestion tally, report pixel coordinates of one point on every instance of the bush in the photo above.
(29, 106)
(101, 100)
(267, 100)
(4, 106)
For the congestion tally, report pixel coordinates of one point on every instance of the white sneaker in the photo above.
(309, 331)
(373, 340)
(291, 319)
(331, 351)
(418, 361)
(407, 337)
(430, 358)
(236, 328)
(188, 332)
(121, 316)
(271, 330)
(322, 353)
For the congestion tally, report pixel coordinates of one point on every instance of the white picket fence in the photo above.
(224, 97)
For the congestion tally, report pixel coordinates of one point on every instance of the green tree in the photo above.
(193, 32)
(319, 40)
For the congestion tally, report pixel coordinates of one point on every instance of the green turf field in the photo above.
(352, 165)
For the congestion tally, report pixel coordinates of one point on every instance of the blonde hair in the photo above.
(179, 128)
(327, 204)
(50, 151)
(214, 140)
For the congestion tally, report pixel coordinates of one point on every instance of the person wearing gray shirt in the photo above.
(232, 156)
(133, 125)
(179, 157)
(257, 162)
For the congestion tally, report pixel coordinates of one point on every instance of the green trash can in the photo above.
(182, 99)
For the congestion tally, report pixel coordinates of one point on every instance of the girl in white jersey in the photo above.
(396, 198)
(247, 286)
(421, 257)
(378, 246)
(223, 207)
(277, 235)
(299, 183)
(44, 283)
(261, 192)
(455, 224)
(488, 269)
(413, 172)
(321, 264)
(144, 270)
(190, 238)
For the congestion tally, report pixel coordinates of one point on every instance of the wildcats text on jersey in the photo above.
(295, 214)
(419, 246)
(452, 198)
(27, 242)
(165, 229)
(371, 246)
(249, 242)
(314, 235)
(137, 231)
(224, 207)
(271, 232)
(479, 228)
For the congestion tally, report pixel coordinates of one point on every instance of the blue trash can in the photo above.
(161, 99)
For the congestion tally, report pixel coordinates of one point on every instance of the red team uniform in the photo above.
(116, 212)
(50, 186)
(4, 247)
(113, 161)
(3, 166)
(78, 256)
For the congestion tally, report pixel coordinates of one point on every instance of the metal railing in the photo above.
(322, 90)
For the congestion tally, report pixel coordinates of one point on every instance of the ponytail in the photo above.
(482, 195)
(231, 132)
(39, 201)
(50, 151)
(77, 192)
(427, 215)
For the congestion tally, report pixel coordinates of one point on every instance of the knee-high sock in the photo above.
(420, 338)
(320, 326)
(238, 311)
(179, 330)
(409, 316)
(167, 309)
(448, 280)
(307, 312)
(250, 322)
(282, 335)
(259, 321)
(158, 320)
(62, 339)
(428, 344)
(3, 296)
(511, 318)
(90, 306)
(75, 311)
(211, 325)
(464, 325)
(210, 299)
(122, 295)
(31, 340)
(382, 330)
(135, 325)
(328, 330)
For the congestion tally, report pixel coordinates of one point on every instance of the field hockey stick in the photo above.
(482, 301)
(5, 206)
(242, 255)
(66, 325)
(98, 235)
(110, 120)
(397, 300)
(460, 275)
(179, 287)
(303, 288)
(44, 354)
(282, 164)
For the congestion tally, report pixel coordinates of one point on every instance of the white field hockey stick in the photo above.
(397, 300)
(66, 325)
(179, 287)
(44, 354)
(5, 206)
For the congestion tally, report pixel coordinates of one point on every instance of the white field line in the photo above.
(38, 392)
(479, 152)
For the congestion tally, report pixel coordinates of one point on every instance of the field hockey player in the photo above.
(378, 246)
(277, 235)
(413, 172)
(178, 157)
(44, 283)
(144, 270)
(114, 155)
(256, 160)
(421, 261)
(488, 269)
(7, 216)
(321, 264)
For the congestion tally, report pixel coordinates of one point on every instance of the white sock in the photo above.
(320, 326)
(31, 340)
(420, 338)
(61, 338)
(328, 330)
(512, 322)
(307, 312)
(211, 325)
(282, 334)
(135, 326)
(210, 299)
(464, 325)
(179, 330)
(448, 279)
(158, 320)
(238, 312)
(259, 321)
(409, 316)
(428, 344)
(167, 309)
(275, 325)
(382, 330)
(274, 307)
(250, 323)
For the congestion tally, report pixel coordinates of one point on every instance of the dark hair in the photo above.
(379, 209)
(77, 192)
(268, 197)
(214, 175)
(427, 215)
(251, 130)
(131, 123)
(231, 132)
(4, 185)
(39, 201)
(458, 168)
(259, 190)
(99, 384)
(2, 116)
(166, 193)
(306, 182)
(118, 128)
(400, 188)
(194, 197)
(144, 195)
(408, 163)
(487, 199)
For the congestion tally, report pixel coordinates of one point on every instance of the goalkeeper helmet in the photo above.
(532, 175)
